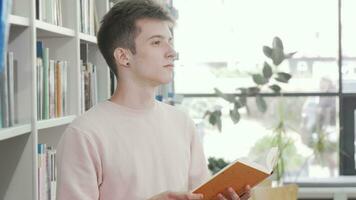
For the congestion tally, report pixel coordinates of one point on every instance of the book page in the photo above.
(266, 165)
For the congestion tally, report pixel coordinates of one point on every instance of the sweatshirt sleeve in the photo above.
(198, 170)
(79, 169)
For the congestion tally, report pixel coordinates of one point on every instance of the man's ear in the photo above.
(121, 56)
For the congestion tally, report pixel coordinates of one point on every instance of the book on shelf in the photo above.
(90, 94)
(89, 21)
(7, 92)
(4, 30)
(11, 88)
(238, 175)
(51, 85)
(47, 172)
(49, 11)
(4, 95)
(89, 82)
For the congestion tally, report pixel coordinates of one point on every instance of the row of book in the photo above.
(47, 172)
(49, 11)
(88, 17)
(89, 80)
(8, 116)
(51, 85)
(89, 86)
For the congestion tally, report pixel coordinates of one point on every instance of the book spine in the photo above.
(5, 95)
(82, 85)
(51, 89)
(58, 89)
(64, 88)
(45, 84)
(95, 83)
(40, 87)
(11, 89)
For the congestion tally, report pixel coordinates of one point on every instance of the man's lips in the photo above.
(169, 65)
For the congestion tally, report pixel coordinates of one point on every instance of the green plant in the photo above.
(270, 77)
(216, 164)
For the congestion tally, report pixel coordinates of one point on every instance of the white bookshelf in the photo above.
(15, 131)
(49, 30)
(18, 144)
(18, 20)
(87, 38)
(49, 123)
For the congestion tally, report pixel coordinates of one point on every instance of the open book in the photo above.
(238, 175)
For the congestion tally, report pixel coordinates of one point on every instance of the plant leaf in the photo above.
(267, 51)
(228, 97)
(253, 90)
(261, 104)
(259, 79)
(277, 51)
(267, 70)
(275, 88)
(215, 119)
(277, 43)
(283, 77)
(212, 119)
(289, 55)
(235, 115)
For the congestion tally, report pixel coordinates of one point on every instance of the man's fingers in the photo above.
(221, 197)
(233, 194)
(185, 196)
(247, 195)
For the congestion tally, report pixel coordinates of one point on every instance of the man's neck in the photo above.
(134, 96)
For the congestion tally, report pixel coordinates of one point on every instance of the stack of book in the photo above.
(51, 85)
(49, 11)
(47, 172)
(88, 17)
(7, 92)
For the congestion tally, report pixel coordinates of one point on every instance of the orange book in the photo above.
(237, 175)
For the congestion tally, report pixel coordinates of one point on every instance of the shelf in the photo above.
(14, 131)
(18, 20)
(45, 29)
(55, 122)
(88, 38)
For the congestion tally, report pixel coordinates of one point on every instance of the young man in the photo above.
(133, 147)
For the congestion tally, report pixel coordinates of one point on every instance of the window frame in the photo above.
(347, 125)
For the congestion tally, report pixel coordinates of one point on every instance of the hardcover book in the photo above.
(238, 175)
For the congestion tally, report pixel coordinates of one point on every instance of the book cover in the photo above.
(238, 175)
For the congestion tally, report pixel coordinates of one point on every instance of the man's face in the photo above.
(153, 61)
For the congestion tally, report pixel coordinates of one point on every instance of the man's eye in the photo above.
(156, 42)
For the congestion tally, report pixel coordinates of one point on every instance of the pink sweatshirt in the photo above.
(113, 152)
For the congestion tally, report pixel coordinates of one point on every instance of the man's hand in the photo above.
(233, 195)
(177, 196)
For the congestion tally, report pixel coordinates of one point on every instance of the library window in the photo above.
(317, 107)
